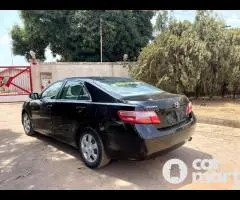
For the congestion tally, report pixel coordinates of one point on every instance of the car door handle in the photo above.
(80, 108)
(49, 106)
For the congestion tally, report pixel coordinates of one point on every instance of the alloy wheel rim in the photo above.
(26, 123)
(89, 148)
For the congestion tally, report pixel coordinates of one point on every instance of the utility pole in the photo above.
(101, 38)
(11, 53)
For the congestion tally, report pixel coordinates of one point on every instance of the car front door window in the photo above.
(74, 90)
(52, 91)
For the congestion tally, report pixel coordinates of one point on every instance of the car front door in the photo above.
(42, 109)
(71, 110)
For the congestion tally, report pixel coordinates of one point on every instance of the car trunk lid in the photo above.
(170, 108)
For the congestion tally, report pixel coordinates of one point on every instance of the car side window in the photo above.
(74, 90)
(52, 91)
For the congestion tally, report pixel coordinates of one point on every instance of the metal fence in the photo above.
(15, 80)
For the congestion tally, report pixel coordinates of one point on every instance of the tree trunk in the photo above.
(234, 95)
(234, 92)
(197, 91)
(212, 85)
(224, 88)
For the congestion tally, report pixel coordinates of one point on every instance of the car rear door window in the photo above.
(75, 90)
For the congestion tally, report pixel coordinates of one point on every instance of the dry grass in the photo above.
(220, 112)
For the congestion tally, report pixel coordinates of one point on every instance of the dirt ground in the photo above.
(40, 162)
(224, 112)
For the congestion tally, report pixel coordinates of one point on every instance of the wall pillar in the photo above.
(36, 82)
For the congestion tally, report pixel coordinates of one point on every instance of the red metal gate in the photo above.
(15, 80)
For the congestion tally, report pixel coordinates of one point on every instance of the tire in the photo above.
(92, 150)
(27, 124)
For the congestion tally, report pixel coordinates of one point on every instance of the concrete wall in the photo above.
(70, 69)
(61, 70)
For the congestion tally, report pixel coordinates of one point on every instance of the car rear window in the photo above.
(127, 87)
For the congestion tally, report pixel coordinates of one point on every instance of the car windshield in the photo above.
(127, 87)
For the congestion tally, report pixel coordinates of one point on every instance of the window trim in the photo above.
(52, 85)
(58, 97)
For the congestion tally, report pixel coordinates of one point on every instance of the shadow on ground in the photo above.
(12, 151)
(26, 163)
(144, 174)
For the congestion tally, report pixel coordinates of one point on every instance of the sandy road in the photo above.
(42, 163)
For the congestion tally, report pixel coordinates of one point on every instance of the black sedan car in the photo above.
(110, 118)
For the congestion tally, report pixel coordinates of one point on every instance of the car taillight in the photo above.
(139, 117)
(189, 108)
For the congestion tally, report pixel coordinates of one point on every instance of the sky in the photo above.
(8, 18)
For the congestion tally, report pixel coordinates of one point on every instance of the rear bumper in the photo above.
(162, 141)
(140, 142)
(169, 142)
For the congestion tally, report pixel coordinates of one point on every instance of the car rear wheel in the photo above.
(27, 124)
(92, 150)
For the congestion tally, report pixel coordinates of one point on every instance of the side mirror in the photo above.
(34, 96)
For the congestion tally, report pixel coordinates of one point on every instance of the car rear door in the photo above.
(71, 110)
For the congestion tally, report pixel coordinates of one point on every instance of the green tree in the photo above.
(162, 19)
(175, 60)
(74, 34)
(233, 73)
(199, 58)
(211, 30)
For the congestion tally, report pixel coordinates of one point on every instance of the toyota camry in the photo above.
(108, 118)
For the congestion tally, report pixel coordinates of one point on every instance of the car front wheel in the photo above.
(27, 124)
(92, 150)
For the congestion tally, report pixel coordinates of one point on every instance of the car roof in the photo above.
(97, 78)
